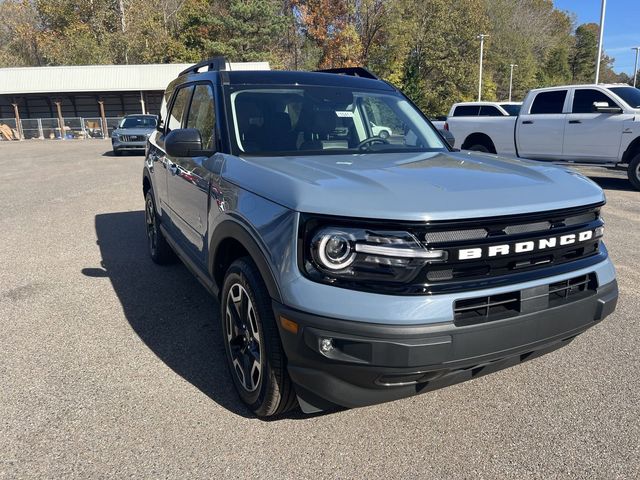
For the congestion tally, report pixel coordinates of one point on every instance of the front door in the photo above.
(592, 136)
(188, 180)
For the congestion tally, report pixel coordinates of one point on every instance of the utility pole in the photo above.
(481, 38)
(602, 13)
(511, 79)
(635, 68)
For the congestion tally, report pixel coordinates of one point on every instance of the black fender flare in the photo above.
(232, 229)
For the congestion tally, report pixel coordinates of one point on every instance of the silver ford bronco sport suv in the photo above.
(353, 268)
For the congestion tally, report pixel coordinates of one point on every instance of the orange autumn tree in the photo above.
(330, 24)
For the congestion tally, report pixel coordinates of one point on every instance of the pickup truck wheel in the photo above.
(255, 357)
(159, 250)
(633, 172)
(384, 134)
(479, 148)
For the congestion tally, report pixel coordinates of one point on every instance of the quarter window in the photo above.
(202, 115)
(583, 100)
(549, 102)
(179, 108)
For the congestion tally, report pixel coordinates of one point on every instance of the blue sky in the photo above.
(621, 30)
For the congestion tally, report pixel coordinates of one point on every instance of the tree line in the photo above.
(428, 48)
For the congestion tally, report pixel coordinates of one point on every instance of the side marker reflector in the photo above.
(289, 325)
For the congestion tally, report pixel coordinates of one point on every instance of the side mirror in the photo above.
(183, 142)
(603, 107)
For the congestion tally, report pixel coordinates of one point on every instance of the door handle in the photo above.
(527, 122)
(575, 121)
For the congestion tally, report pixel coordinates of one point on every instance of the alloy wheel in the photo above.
(243, 337)
(152, 228)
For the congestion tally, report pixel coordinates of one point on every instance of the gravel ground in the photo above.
(111, 366)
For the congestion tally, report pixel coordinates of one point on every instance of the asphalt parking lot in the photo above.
(110, 366)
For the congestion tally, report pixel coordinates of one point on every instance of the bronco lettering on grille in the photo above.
(524, 247)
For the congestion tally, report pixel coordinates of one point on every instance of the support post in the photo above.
(142, 105)
(16, 114)
(105, 130)
(60, 120)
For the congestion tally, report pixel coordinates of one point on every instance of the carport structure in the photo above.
(79, 101)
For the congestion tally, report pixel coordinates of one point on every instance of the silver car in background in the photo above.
(132, 133)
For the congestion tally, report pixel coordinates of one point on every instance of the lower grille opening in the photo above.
(478, 310)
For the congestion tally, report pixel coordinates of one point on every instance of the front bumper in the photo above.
(121, 145)
(373, 363)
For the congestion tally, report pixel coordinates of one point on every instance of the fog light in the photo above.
(326, 345)
(599, 232)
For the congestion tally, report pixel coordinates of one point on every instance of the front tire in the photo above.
(255, 357)
(159, 250)
(384, 134)
(633, 171)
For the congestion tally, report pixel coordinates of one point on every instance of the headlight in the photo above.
(365, 255)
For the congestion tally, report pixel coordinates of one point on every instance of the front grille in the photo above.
(509, 245)
(477, 310)
(132, 138)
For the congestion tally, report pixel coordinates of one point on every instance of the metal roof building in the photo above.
(124, 89)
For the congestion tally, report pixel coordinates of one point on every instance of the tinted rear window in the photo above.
(512, 110)
(466, 111)
(490, 111)
(549, 102)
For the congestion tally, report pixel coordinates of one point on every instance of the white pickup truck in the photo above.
(590, 124)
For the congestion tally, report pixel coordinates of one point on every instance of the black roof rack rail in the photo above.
(213, 63)
(351, 71)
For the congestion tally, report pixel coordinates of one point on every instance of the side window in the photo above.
(489, 111)
(179, 109)
(549, 102)
(466, 111)
(583, 100)
(202, 115)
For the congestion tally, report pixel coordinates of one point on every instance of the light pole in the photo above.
(602, 12)
(511, 79)
(635, 67)
(481, 38)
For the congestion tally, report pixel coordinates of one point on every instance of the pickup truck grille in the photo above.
(483, 252)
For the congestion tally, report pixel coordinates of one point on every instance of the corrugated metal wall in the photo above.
(80, 105)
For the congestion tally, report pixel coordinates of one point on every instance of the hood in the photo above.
(133, 131)
(412, 186)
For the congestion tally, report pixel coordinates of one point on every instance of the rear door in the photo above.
(189, 178)
(540, 131)
(591, 136)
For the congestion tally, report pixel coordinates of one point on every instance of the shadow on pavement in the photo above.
(613, 183)
(125, 153)
(166, 307)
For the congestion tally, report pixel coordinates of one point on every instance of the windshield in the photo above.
(311, 120)
(138, 122)
(512, 110)
(630, 95)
